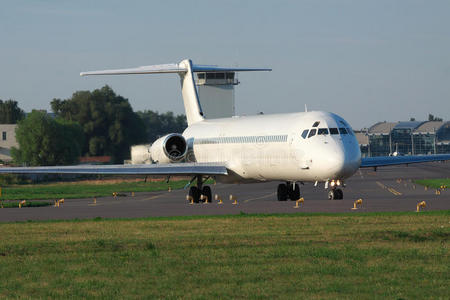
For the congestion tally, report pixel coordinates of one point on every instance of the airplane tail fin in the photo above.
(185, 69)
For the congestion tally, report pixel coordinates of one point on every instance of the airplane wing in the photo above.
(380, 161)
(143, 169)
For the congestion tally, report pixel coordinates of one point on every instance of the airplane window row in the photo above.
(325, 131)
(242, 139)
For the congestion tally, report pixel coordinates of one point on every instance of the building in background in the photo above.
(406, 138)
(7, 141)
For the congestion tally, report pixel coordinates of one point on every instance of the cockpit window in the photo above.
(316, 123)
(322, 131)
(305, 133)
(343, 130)
(350, 131)
(312, 132)
(334, 131)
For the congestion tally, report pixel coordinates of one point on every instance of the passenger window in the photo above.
(305, 133)
(334, 131)
(312, 132)
(322, 131)
(343, 130)
(316, 124)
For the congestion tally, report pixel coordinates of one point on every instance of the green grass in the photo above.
(83, 190)
(434, 183)
(401, 255)
(14, 204)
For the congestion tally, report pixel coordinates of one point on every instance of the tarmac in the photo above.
(389, 189)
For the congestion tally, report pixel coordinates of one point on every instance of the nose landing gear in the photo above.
(335, 194)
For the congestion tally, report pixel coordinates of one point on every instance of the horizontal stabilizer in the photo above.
(154, 69)
(170, 68)
(200, 68)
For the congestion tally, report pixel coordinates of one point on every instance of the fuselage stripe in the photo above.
(242, 140)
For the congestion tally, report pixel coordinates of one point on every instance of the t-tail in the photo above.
(185, 69)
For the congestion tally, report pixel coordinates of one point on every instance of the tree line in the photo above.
(90, 123)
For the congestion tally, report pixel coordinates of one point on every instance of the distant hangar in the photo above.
(405, 138)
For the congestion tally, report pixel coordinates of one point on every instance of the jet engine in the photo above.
(169, 149)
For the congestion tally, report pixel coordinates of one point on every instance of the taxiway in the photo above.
(387, 189)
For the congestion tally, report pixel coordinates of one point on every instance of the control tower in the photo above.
(216, 93)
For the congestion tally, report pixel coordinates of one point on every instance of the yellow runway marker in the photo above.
(301, 200)
(219, 199)
(356, 203)
(420, 205)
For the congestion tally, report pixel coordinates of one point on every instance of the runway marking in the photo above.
(120, 202)
(152, 197)
(381, 185)
(385, 187)
(394, 192)
(262, 197)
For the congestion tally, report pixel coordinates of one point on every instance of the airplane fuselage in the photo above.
(305, 146)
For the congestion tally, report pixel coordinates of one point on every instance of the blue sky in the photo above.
(367, 61)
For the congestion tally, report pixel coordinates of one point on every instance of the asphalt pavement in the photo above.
(387, 189)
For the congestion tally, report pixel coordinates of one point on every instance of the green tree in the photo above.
(10, 112)
(45, 141)
(157, 124)
(109, 124)
(433, 118)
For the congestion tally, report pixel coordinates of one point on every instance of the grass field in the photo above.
(84, 189)
(391, 255)
(434, 183)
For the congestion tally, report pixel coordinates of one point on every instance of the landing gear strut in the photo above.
(197, 191)
(287, 190)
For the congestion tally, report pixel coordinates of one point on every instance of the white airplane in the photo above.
(314, 146)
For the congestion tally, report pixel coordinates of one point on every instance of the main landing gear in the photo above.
(287, 190)
(196, 192)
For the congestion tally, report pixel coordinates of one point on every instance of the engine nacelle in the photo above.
(169, 148)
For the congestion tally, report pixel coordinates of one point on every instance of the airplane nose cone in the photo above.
(340, 162)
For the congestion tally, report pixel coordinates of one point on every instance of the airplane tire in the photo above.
(282, 192)
(294, 194)
(336, 194)
(194, 192)
(331, 195)
(207, 192)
